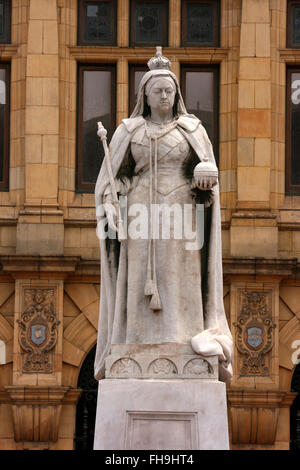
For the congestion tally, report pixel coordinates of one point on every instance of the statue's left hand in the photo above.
(205, 183)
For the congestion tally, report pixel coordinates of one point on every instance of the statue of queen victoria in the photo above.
(155, 290)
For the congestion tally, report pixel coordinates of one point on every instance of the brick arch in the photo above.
(81, 305)
(287, 335)
(6, 331)
(79, 338)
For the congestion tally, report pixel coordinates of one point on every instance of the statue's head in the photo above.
(160, 92)
(159, 89)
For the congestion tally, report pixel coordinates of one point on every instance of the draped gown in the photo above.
(177, 269)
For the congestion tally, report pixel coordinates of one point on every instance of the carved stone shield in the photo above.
(254, 337)
(38, 334)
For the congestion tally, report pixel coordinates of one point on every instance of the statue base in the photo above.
(154, 400)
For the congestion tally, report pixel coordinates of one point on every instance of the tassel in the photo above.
(155, 302)
(149, 287)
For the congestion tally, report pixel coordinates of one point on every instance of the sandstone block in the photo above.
(41, 181)
(254, 68)
(246, 94)
(254, 241)
(253, 184)
(254, 123)
(40, 239)
(247, 46)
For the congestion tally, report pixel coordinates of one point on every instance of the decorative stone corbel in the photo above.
(254, 414)
(36, 411)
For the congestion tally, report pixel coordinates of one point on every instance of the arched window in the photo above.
(87, 404)
(295, 411)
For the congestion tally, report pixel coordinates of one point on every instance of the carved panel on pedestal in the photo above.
(125, 367)
(254, 332)
(162, 367)
(197, 367)
(38, 329)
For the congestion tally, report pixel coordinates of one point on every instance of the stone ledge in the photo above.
(7, 51)
(35, 266)
(290, 55)
(141, 54)
(15, 264)
(261, 266)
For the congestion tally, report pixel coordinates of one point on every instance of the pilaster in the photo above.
(36, 396)
(264, 326)
(254, 229)
(40, 225)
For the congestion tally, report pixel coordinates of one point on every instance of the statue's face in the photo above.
(161, 95)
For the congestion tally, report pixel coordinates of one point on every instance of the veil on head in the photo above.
(159, 66)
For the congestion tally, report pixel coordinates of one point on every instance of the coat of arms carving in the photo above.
(38, 329)
(255, 332)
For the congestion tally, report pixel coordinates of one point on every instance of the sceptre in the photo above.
(102, 133)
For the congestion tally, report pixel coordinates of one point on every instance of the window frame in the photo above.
(215, 69)
(290, 189)
(289, 24)
(4, 184)
(80, 29)
(132, 28)
(7, 23)
(216, 27)
(86, 187)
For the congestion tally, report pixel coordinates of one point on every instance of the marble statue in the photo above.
(154, 290)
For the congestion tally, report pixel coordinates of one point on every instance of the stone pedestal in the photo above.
(161, 397)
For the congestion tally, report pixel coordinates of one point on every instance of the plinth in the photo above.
(161, 397)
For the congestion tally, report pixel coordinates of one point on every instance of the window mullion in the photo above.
(122, 89)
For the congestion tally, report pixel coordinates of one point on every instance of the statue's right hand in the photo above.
(111, 215)
(102, 132)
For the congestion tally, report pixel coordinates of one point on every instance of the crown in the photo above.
(159, 61)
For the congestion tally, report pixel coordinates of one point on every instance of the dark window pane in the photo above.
(5, 15)
(149, 23)
(200, 24)
(199, 98)
(200, 94)
(96, 103)
(295, 129)
(2, 119)
(2, 20)
(296, 24)
(4, 126)
(96, 107)
(136, 74)
(97, 22)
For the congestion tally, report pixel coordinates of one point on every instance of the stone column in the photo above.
(40, 225)
(254, 228)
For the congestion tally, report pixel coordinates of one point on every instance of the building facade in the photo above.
(64, 65)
